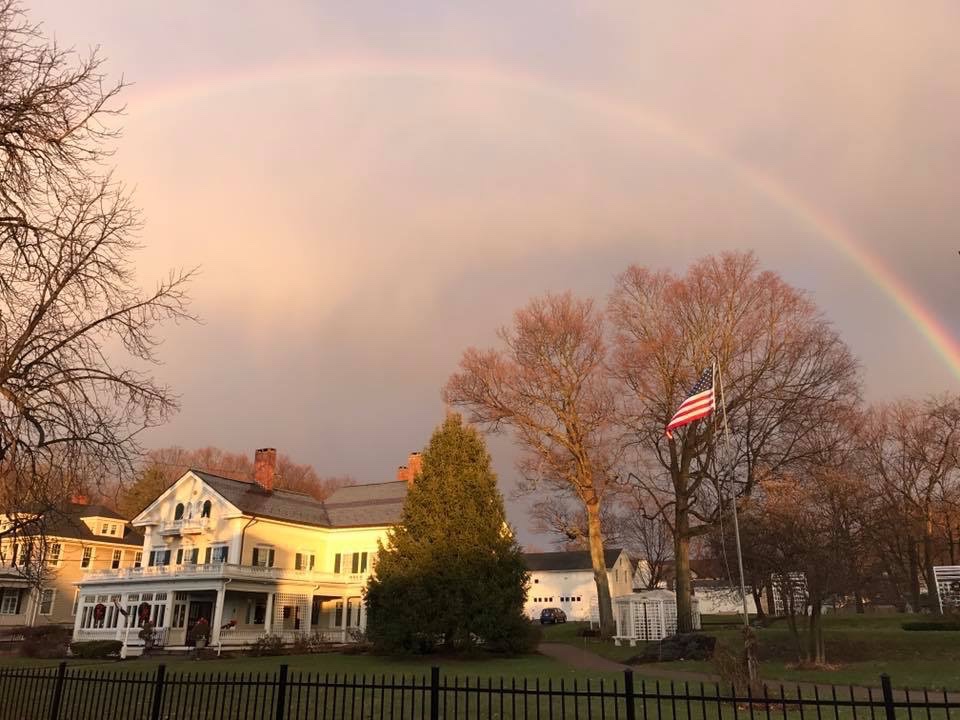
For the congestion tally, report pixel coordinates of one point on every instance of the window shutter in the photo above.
(297, 564)
(363, 562)
(312, 559)
(225, 554)
(270, 557)
(179, 556)
(336, 564)
(19, 600)
(256, 556)
(151, 558)
(206, 555)
(355, 565)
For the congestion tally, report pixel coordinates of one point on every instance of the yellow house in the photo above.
(44, 555)
(248, 559)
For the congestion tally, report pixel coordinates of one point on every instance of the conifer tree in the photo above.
(451, 573)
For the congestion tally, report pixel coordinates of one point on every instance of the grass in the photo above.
(859, 649)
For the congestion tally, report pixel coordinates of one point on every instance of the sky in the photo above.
(369, 188)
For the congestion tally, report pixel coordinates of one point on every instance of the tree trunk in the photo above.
(858, 601)
(928, 560)
(757, 597)
(914, 577)
(794, 633)
(816, 653)
(684, 584)
(771, 601)
(604, 603)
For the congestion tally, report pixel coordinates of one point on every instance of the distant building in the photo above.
(44, 554)
(565, 580)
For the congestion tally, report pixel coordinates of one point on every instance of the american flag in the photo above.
(699, 403)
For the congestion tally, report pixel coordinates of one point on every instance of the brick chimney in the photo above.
(265, 468)
(407, 473)
(414, 465)
(79, 499)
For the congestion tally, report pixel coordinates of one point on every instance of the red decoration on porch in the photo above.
(99, 611)
(143, 612)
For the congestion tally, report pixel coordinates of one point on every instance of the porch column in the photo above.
(305, 621)
(268, 616)
(217, 616)
(78, 617)
(363, 616)
(344, 617)
(168, 612)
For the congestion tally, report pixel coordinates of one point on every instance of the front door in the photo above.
(198, 609)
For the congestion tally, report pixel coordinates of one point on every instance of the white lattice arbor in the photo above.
(648, 615)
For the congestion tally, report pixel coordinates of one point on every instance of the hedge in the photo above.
(932, 625)
(96, 648)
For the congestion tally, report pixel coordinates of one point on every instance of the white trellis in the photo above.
(649, 615)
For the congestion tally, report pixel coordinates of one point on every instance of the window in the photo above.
(113, 529)
(363, 562)
(338, 612)
(355, 566)
(337, 562)
(53, 554)
(10, 601)
(138, 558)
(263, 556)
(187, 556)
(216, 554)
(87, 559)
(304, 561)
(178, 512)
(46, 601)
(117, 557)
(207, 506)
(159, 557)
(104, 528)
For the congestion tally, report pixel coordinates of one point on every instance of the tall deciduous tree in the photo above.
(451, 571)
(549, 385)
(912, 454)
(77, 335)
(784, 369)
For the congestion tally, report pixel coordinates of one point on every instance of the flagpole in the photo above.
(733, 499)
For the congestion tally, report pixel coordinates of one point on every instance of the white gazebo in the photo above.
(648, 616)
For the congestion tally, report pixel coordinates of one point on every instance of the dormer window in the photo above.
(105, 529)
(178, 512)
(207, 507)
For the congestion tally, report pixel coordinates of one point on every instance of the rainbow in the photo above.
(622, 112)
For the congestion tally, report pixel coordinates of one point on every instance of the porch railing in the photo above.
(226, 570)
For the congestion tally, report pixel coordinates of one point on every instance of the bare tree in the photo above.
(783, 366)
(912, 454)
(77, 335)
(549, 385)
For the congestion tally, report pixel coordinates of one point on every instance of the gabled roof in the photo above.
(66, 522)
(573, 560)
(350, 506)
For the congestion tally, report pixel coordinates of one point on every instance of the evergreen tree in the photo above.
(451, 573)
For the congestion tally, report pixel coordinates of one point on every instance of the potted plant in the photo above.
(201, 633)
(147, 635)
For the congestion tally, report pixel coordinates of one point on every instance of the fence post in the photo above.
(434, 693)
(628, 689)
(158, 692)
(58, 691)
(282, 691)
(887, 697)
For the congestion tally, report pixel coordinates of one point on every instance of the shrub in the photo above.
(96, 649)
(266, 645)
(932, 625)
(49, 641)
(519, 636)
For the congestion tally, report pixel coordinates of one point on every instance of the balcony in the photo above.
(215, 571)
(184, 526)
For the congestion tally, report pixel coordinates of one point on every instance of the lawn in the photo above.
(859, 648)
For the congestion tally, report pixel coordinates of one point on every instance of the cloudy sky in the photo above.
(370, 187)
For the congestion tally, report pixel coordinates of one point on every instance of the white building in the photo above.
(565, 580)
(249, 559)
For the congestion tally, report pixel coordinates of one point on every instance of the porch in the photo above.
(16, 600)
(235, 610)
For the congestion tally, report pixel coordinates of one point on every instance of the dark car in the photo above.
(552, 616)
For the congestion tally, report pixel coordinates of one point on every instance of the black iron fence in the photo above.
(59, 693)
